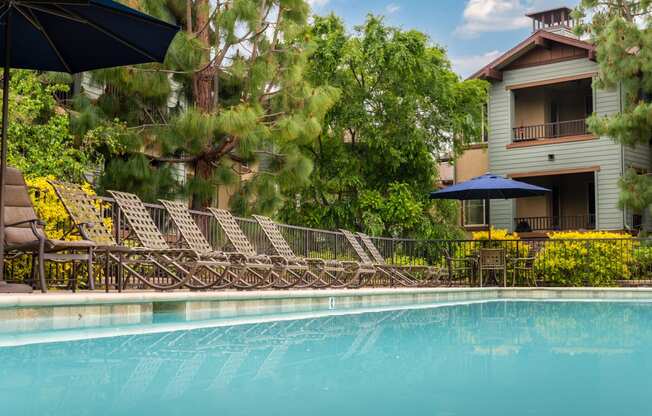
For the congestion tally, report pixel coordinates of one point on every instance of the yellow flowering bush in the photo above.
(401, 260)
(501, 238)
(585, 258)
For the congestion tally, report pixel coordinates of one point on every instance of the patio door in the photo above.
(590, 203)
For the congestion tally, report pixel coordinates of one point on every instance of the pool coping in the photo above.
(95, 298)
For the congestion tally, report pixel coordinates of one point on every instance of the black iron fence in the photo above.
(544, 261)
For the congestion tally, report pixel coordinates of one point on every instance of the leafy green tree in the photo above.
(243, 104)
(623, 36)
(40, 142)
(375, 159)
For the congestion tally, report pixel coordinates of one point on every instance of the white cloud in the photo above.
(482, 16)
(467, 65)
(392, 8)
(317, 3)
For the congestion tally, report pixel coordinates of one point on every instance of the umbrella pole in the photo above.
(4, 286)
(486, 202)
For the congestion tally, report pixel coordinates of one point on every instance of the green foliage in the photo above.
(236, 72)
(585, 259)
(623, 36)
(40, 142)
(642, 262)
(400, 104)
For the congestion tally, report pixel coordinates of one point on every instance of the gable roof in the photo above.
(493, 70)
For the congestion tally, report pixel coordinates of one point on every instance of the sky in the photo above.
(474, 32)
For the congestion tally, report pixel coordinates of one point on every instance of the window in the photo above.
(475, 212)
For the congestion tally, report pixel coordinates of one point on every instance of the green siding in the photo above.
(601, 152)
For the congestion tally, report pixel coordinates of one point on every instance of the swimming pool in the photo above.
(489, 357)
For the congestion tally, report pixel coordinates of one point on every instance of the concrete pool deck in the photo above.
(56, 311)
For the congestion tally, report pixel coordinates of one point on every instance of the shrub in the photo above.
(503, 239)
(641, 265)
(402, 260)
(585, 259)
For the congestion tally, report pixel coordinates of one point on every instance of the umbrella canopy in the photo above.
(70, 36)
(489, 186)
(79, 35)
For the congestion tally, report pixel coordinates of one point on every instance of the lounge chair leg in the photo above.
(33, 271)
(89, 264)
(73, 278)
(41, 271)
(107, 271)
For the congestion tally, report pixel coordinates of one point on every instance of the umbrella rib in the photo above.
(37, 24)
(54, 13)
(113, 35)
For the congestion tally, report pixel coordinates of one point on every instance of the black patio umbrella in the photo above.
(488, 187)
(70, 36)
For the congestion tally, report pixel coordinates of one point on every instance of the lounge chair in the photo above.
(245, 253)
(384, 273)
(422, 274)
(328, 273)
(24, 233)
(150, 264)
(191, 264)
(240, 271)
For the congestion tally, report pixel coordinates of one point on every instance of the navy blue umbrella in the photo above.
(488, 187)
(71, 36)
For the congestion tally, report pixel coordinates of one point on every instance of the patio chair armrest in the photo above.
(313, 260)
(350, 264)
(31, 222)
(280, 260)
(517, 259)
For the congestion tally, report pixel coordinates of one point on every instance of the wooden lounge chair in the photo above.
(384, 273)
(421, 274)
(241, 272)
(186, 261)
(24, 233)
(151, 264)
(328, 273)
(246, 254)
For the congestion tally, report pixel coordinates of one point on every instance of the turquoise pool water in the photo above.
(494, 358)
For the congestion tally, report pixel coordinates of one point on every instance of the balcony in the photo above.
(549, 130)
(559, 223)
(551, 112)
(571, 204)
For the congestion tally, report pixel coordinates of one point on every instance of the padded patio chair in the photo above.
(422, 275)
(328, 273)
(381, 273)
(284, 276)
(244, 275)
(150, 264)
(24, 233)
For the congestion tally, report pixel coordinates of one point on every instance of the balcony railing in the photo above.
(568, 222)
(549, 130)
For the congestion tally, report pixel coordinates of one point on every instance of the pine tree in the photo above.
(238, 65)
(622, 32)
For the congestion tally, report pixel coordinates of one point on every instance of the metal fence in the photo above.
(548, 261)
